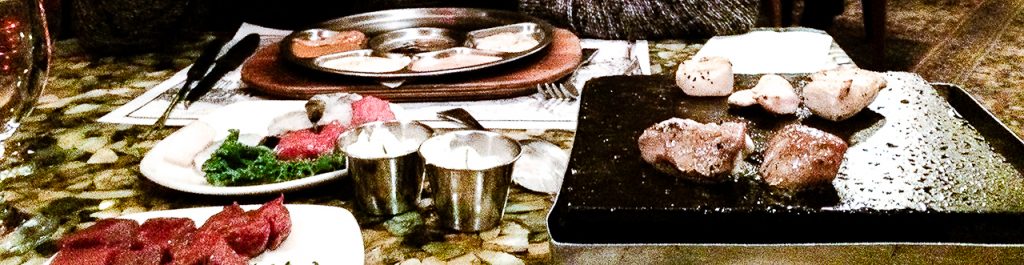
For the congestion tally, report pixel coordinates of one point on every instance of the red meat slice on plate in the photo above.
(223, 218)
(371, 109)
(146, 256)
(158, 233)
(248, 235)
(306, 144)
(86, 256)
(196, 248)
(104, 233)
(279, 218)
(224, 255)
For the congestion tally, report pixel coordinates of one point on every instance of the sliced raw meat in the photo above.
(146, 256)
(279, 218)
(86, 256)
(706, 77)
(693, 150)
(104, 233)
(371, 109)
(222, 254)
(223, 218)
(158, 233)
(306, 144)
(800, 156)
(248, 235)
(196, 248)
(839, 94)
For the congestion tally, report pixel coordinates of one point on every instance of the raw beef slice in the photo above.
(86, 256)
(146, 256)
(158, 233)
(279, 218)
(306, 144)
(106, 232)
(371, 109)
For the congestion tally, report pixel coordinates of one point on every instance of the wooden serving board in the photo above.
(266, 73)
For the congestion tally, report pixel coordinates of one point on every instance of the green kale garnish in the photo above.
(237, 164)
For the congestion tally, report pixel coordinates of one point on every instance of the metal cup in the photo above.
(383, 163)
(470, 193)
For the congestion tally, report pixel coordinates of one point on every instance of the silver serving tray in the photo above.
(464, 25)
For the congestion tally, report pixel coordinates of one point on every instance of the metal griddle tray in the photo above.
(930, 176)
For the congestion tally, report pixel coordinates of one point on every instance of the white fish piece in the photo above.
(326, 108)
(706, 77)
(742, 98)
(187, 142)
(840, 94)
(337, 107)
(776, 95)
(291, 121)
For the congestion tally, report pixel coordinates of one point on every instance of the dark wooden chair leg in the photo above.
(786, 9)
(874, 25)
(776, 12)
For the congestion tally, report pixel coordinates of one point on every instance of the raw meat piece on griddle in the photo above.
(280, 221)
(145, 256)
(371, 109)
(705, 77)
(86, 256)
(839, 94)
(693, 150)
(104, 233)
(158, 233)
(799, 156)
(306, 144)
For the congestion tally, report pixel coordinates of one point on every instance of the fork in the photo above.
(563, 89)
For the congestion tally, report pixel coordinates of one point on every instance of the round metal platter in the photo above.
(465, 22)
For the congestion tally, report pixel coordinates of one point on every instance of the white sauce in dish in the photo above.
(365, 64)
(458, 60)
(380, 144)
(507, 42)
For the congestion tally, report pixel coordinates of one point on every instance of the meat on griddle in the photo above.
(799, 156)
(693, 150)
(839, 94)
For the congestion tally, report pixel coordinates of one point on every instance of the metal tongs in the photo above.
(231, 59)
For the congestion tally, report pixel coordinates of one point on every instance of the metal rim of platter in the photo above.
(462, 20)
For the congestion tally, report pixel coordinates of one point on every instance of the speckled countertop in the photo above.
(63, 170)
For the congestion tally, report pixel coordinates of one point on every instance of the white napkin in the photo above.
(761, 52)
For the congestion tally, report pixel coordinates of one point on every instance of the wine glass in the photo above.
(24, 60)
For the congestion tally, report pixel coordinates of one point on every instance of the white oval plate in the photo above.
(324, 234)
(249, 117)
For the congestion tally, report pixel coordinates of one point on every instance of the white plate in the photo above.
(249, 117)
(327, 235)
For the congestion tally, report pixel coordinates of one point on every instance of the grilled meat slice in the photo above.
(839, 94)
(776, 95)
(693, 150)
(799, 156)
